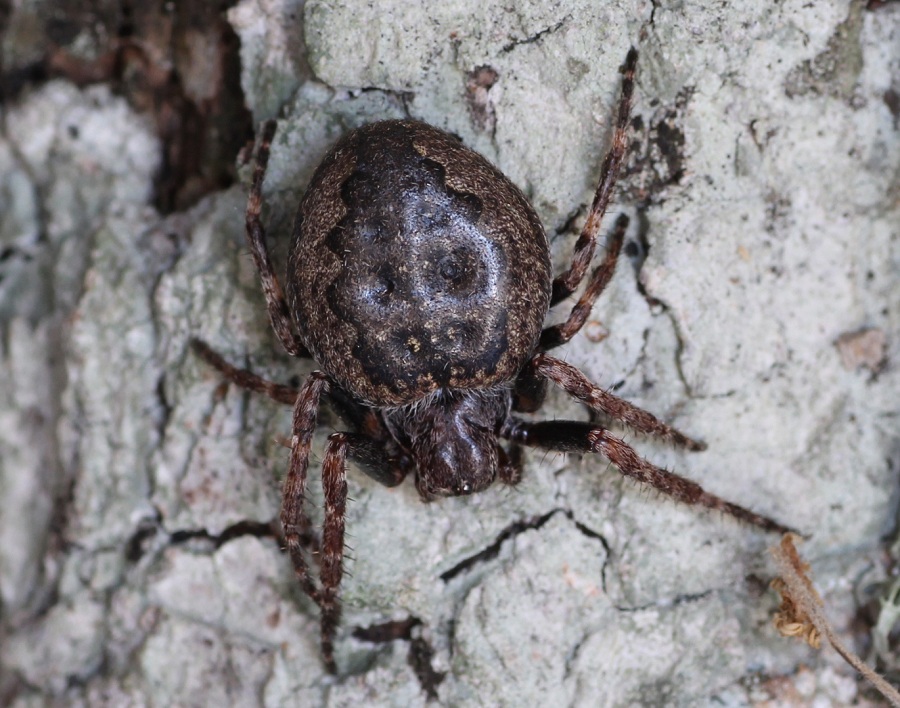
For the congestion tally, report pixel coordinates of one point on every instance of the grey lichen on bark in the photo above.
(137, 564)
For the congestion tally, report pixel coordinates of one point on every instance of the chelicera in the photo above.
(419, 278)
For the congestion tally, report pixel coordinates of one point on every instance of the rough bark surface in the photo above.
(758, 311)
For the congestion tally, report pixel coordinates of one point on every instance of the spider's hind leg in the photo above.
(279, 314)
(560, 334)
(566, 283)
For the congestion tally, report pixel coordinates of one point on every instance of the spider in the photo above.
(419, 278)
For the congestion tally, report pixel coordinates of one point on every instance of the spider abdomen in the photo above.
(416, 266)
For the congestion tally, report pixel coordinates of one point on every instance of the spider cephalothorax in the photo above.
(419, 279)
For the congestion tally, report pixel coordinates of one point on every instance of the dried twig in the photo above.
(801, 613)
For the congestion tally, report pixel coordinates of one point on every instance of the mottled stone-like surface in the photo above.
(136, 564)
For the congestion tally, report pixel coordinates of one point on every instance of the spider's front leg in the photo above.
(334, 485)
(365, 451)
(579, 386)
(295, 523)
(573, 436)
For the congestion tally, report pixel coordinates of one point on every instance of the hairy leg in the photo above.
(560, 334)
(294, 522)
(509, 469)
(530, 390)
(565, 284)
(371, 457)
(577, 385)
(334, 484)
(368, 448)
(572, 436)
(244, 377)
(279, 314)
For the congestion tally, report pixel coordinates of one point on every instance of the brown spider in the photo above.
(419, 278)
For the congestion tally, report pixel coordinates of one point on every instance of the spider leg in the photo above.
(560, 334)
(334, 484)
(360, 418)
(577, 385)
(244, 377)
(278, 392)
(572, 436)
(295, 523)
(509, 469)
(369, 455)
(566, 283)
(529, 391)
(276, 304)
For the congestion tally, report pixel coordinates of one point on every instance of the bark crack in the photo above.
(535, 37)
(420, 653)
